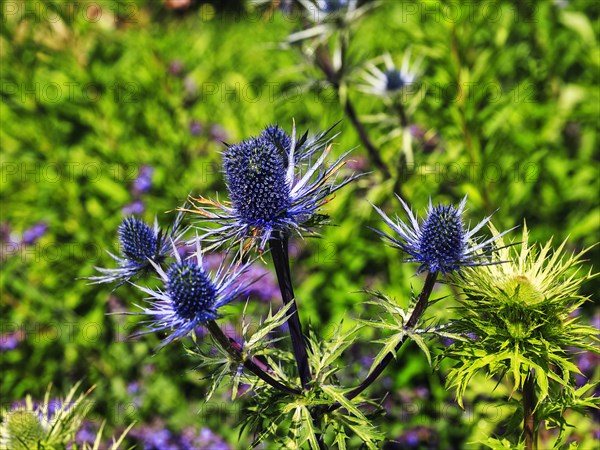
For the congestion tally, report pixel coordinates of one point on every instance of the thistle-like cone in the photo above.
(440, 242)
(191, 296)
(139, 241)
(277, 185)
(192, 292)
(255, 174)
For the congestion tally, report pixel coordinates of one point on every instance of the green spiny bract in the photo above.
(516, 318)
(50, 424)
(294, 420)
(23, 430)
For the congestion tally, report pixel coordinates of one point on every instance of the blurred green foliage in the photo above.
(91, 95)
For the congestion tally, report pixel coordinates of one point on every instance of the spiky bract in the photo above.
(440, 242)
(520, 314)
(275, 188)
(191, 296)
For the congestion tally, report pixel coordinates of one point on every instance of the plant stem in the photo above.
(279, 252)
(404, 156)
(253, 365)
(364, 138)
(529, 424)
(412, 321)
(402, 117)
(323, 62)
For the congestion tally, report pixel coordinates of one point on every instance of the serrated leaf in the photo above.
(389, 347)
(422, 345)
(339, 397)
(267, 326)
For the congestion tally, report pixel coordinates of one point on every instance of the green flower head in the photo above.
(520, 313)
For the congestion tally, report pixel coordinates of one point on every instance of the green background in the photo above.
(88, 97)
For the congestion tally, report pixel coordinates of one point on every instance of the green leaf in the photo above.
(422, 345)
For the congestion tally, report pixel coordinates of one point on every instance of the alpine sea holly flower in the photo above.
(330, 6)
(389, 80)
(522, 312)
(141, 246)
(275, 188)
(191, 295)
(278, 137)
(440, 242)
(327, 16)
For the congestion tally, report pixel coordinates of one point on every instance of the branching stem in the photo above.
(252, 364)
(412, 321)
(323, 62)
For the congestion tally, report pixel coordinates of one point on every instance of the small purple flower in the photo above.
(137, 207)
(86, 434)
(366, 361)
(176, 67)
(421, 392)
(143, 183)
(155, 437)
(411, 438)
(196, 128)
(204, 438)
(10, 341)
(447, 341)
(416, 437)
(32, 234)
(586, 362)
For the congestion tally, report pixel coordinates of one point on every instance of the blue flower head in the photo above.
(274, 186)
(384, 78)
(327, 17)
(394, 81)
(330, 6)
(141, 247)
(138, 241)
(191, 296)
(278, 137)
(191, 290)
(440, 242)
(256, 180)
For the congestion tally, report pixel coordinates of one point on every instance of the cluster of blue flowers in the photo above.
(277, 185)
